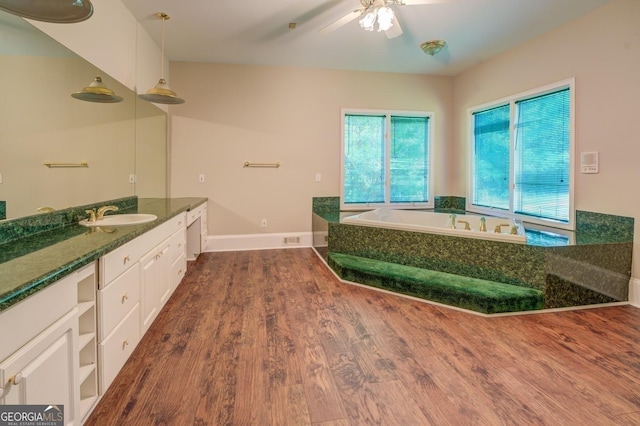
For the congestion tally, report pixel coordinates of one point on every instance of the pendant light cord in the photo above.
(164, 18)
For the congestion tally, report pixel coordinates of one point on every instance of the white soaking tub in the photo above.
(458, 225)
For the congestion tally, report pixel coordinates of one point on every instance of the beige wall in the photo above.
(238, 113)
(602, 51)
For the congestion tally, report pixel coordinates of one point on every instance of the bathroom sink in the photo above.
(121, 220)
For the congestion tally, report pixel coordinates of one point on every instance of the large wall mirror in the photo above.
(41, 123)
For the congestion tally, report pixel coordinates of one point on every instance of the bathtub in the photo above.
(465, 225)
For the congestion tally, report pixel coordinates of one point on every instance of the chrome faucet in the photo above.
(102, 210)
(453, 220)
(483, 224)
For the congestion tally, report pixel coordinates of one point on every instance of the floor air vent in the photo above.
(290, 240)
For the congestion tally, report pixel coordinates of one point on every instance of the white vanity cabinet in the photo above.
(196, 231)
(48, 348)
(44, 370)
(135, 284)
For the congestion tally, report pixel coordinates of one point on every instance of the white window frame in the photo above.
(388, 113)
(511, 100)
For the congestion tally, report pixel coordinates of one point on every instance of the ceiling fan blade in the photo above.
(418, 2)
(395, 30)
(342, 21)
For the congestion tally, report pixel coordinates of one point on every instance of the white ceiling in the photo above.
(256, 32)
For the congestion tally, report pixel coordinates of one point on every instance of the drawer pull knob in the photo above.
(125, 297)
(15, 379)
(125, 344)
(126, 259)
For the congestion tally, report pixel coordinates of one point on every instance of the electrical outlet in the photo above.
(263, 223)
(201, 178)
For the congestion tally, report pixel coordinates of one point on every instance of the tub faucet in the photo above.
(467, 227)
(483, 224)
(102, 210)
(453, 220)
(498, 229)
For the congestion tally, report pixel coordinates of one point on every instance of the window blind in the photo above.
(542, 156)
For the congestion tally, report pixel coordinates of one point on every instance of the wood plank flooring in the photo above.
(273, 338)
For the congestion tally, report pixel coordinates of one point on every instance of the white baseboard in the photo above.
(634, 292)
(257, 241)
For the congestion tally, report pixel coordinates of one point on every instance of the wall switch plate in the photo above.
(133, 179)
(263, 223)
(318, 177)
(0, 178)
(201, 178)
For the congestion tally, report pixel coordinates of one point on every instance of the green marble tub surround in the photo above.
(3, 210)
(596, 228)
(450, 203)
(35, 265)
(508, 263)
(571, 268)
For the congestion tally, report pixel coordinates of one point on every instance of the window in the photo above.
(385, 159)
(522, 156)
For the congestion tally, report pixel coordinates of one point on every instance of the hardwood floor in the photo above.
(272, 338)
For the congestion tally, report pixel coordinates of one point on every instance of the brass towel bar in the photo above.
(273, 165)
(61, 165)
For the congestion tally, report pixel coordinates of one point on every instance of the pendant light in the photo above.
(97, 92)
(161, 93)
(432, 47)
(56, 11)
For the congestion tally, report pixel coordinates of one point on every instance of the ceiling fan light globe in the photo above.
(368, 21)
(385, 18)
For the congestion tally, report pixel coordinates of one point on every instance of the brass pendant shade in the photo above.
(161, 93)
(56, 11)
(97, 92)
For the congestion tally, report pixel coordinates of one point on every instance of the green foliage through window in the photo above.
(381, 171)
(536, 149)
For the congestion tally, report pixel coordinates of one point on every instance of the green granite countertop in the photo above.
(31, 263)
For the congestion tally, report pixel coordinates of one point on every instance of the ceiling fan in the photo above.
(379, 12)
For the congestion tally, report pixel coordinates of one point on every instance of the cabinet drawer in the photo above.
(178, 244)
(193, 214)
(119, 260)
(118, 346)
(117, 299)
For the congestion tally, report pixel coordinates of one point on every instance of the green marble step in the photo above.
(484, 296)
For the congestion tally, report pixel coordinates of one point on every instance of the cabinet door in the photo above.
(164, 270)
(43, 371)
(155, 283)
